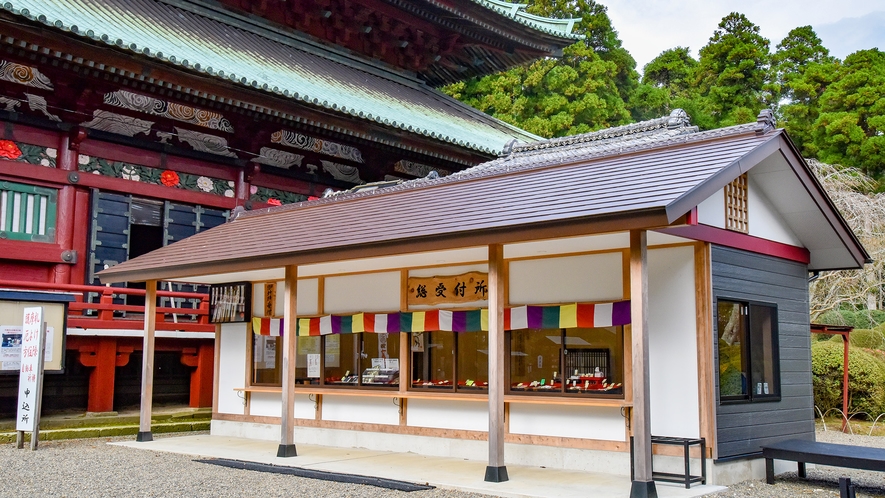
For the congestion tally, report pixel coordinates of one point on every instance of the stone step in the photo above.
(109, 431)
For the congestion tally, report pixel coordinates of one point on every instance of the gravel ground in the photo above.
(822, 481)
(91, 468)
(76, 468)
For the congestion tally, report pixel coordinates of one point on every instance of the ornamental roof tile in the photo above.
(275, 63)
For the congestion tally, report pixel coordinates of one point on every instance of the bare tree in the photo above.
(864, 210)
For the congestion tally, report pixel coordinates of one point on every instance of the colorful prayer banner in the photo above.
(522, 317)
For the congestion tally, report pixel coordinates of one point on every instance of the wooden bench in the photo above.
(835, 455)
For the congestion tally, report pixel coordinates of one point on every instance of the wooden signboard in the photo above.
(453, 289)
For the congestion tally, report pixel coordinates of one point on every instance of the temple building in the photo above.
(124, 136)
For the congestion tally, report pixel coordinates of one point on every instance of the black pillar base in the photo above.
(496, 474)
(643, 489)
(143, 437)
(286, 450)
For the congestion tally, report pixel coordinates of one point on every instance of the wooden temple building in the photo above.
(131, 125)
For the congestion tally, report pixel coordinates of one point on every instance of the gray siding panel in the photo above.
(742, 428)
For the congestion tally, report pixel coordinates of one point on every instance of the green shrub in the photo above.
(860, 319)
(866, 378)
(867, 338)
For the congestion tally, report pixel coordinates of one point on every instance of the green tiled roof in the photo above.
(273, 62)
(515, 11)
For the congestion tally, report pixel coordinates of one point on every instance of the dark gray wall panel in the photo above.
(742, 428)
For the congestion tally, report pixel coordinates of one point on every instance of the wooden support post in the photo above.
(643, 485)
(201, 377)
(845, 382)
(496, 471)
(290, 320)
(147, 362)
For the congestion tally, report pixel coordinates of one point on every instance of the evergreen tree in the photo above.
(801, 69)
(731, 74)
(586, 89)
(666, 84)
(851, 127)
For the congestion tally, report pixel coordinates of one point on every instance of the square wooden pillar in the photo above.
(290, 331)
(643, 485)
(496, 470)
(147, 362)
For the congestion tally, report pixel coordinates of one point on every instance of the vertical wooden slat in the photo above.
(290, 318)
(643, 485)
(147, 363)
(496, 470)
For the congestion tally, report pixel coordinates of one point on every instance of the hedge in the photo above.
(866, 378)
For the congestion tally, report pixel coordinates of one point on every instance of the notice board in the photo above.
(55, 312)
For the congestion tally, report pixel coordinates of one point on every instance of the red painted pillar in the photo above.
(66, 160)
(102, 357)
(201, 378)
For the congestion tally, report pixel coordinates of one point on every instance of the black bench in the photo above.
(835, 455)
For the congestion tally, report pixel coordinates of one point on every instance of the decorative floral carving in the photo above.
(169, 178)
(24, 75)
(317, 145)
(8, 150)
(264, 194)
(274, 202)
(205, 184)
(171, 110)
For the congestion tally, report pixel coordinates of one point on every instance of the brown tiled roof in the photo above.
(535, 192)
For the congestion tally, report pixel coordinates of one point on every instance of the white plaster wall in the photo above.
(448, 414)
(246, 430)
(583, 422)
(304, 407)
(358, 409)
(308, 297)
(265, 404)
(365, 292)
(672, 344)
(764, 220)
(712, 210)
(232, 369)
(592, 277)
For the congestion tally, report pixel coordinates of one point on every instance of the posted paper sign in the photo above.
(33, 338)
(313, 366)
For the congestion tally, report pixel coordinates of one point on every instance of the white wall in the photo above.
(308, 298)
(365, 292)
(712, 211)
(764, 220)
(592, 277)
(448, 414)
(232, 370)
(358, 409)
(265, 404)
(583, 422)
(672, 331)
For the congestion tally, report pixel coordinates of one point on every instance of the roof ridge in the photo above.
(516, 11)
(677, 136)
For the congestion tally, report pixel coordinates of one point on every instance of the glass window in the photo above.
(591, 363)
(747, 344)
(307, 356)
(473, 360)
(340, 366)
(379, 359)
(266, 360)
(433, 360)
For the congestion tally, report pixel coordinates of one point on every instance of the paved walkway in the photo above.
(452, 473)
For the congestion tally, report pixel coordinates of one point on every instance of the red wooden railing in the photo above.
(129, 317)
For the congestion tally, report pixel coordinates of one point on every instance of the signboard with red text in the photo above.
(30, 381)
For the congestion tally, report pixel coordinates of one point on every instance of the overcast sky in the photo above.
(648, 27)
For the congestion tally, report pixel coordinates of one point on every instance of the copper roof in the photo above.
(281, 64)
(639, 181)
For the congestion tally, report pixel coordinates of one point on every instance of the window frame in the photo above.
(36, 194)
(455, 387)
(563, 391)
(747, 347)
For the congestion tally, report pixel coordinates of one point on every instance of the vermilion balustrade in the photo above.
(194, 319)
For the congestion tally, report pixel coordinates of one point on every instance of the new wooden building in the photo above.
(131, 125)
(646, 281)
